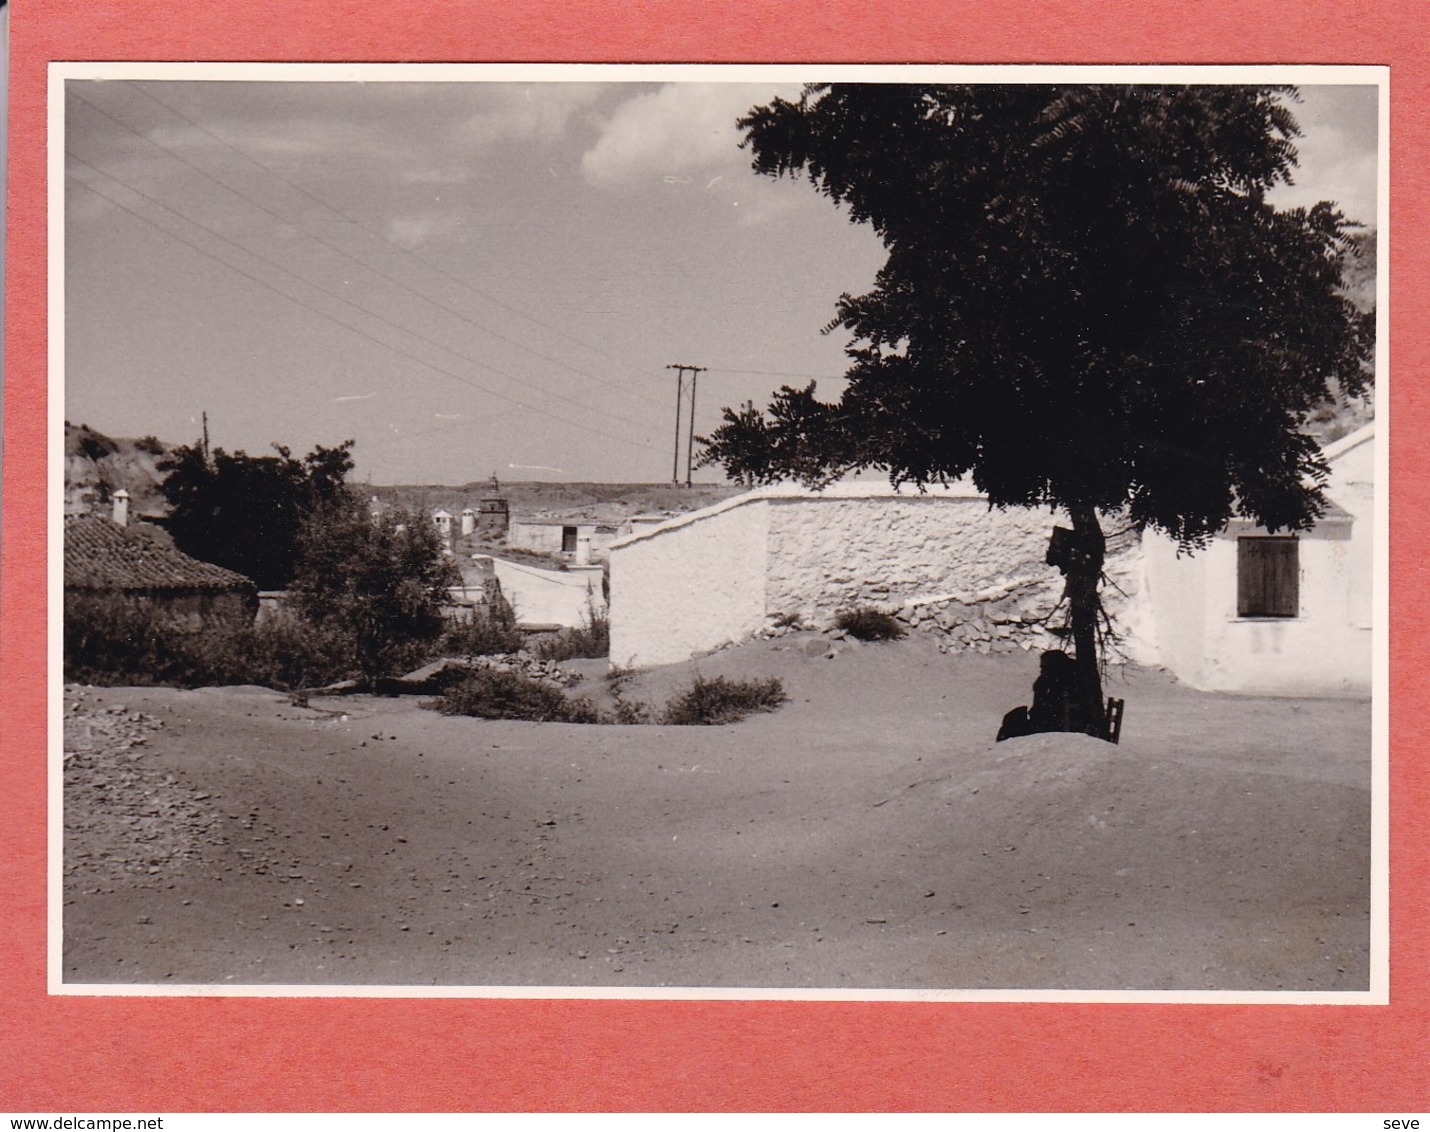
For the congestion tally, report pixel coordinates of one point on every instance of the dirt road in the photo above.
(867, 835)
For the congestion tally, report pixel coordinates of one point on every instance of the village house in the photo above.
(107, 556)
(581, 540)
(1252, 612)
(1274, 613)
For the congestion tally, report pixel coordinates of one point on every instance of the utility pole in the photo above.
(206, 436)
(680, 396)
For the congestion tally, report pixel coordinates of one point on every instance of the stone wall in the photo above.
(941, 561)
(841, 550)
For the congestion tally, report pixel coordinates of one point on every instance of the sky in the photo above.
(470, 278)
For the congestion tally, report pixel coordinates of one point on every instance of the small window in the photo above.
(568, 540)
(1268, 576)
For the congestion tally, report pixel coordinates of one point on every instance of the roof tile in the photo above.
(101, 555)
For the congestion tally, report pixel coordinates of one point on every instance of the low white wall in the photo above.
(689, 585)
(697, 582)
(549, 597)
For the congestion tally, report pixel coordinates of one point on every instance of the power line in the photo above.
(778, 373)
(522, 405)
(347, 302)
(350, 219)
(339, 251)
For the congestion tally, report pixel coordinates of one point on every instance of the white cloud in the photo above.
(1337, 159)
(534, 111)
(1336, 167)
(682, 129)
(414, 231)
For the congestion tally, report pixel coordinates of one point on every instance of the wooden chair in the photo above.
(1114, 720)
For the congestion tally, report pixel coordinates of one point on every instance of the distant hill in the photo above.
(96, 466)
(1342, 415)
(597, 502)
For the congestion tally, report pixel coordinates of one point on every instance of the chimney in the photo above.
(121, 507)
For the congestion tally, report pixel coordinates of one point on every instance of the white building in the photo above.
(1284, 613)
(717, 575)
(1252, 612)
(580, 540)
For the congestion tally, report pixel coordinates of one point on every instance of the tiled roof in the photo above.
(101, 555)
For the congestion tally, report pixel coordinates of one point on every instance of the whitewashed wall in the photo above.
(715, 576)
(690, 584)
(547, 597)
(1325, 649)
(842, 550)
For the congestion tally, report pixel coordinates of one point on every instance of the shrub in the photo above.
(494, 693)
(866, 624)
(113, 641)
(490, 631)
(626, 711)
(380, 582)
(284, 652)
(710, 702)
(593, 639)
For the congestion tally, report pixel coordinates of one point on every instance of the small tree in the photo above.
(1088, 305)
(382, 581)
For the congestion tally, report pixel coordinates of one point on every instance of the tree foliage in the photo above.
(382, 581)
(1088, 300)
(245, 512)
(1088, 303)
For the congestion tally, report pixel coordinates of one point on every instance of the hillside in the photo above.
(96, 466)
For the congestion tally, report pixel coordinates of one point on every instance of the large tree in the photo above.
(1088, 305)
(245, 512)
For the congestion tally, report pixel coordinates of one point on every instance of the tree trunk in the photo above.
(1084, 576)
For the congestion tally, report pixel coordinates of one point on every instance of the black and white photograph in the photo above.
(724, 532)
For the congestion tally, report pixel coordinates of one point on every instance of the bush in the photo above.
(113, 641)
(866, 624)
(717, 701)
(381, 583)
(494, 693)
(490, 631)
(284, 652)
(592, 639)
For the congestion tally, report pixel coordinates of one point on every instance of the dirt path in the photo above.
(869, 834)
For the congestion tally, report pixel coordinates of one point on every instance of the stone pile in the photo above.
(546, 670)
(1001, 621)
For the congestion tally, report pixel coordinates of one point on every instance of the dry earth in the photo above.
(867, 835)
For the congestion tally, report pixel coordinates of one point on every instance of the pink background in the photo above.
(118, 1054)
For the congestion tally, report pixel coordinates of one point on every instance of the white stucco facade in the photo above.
(943, 559)
(540, 597)
(550, 536)
(1325, 649)
(715, 576)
